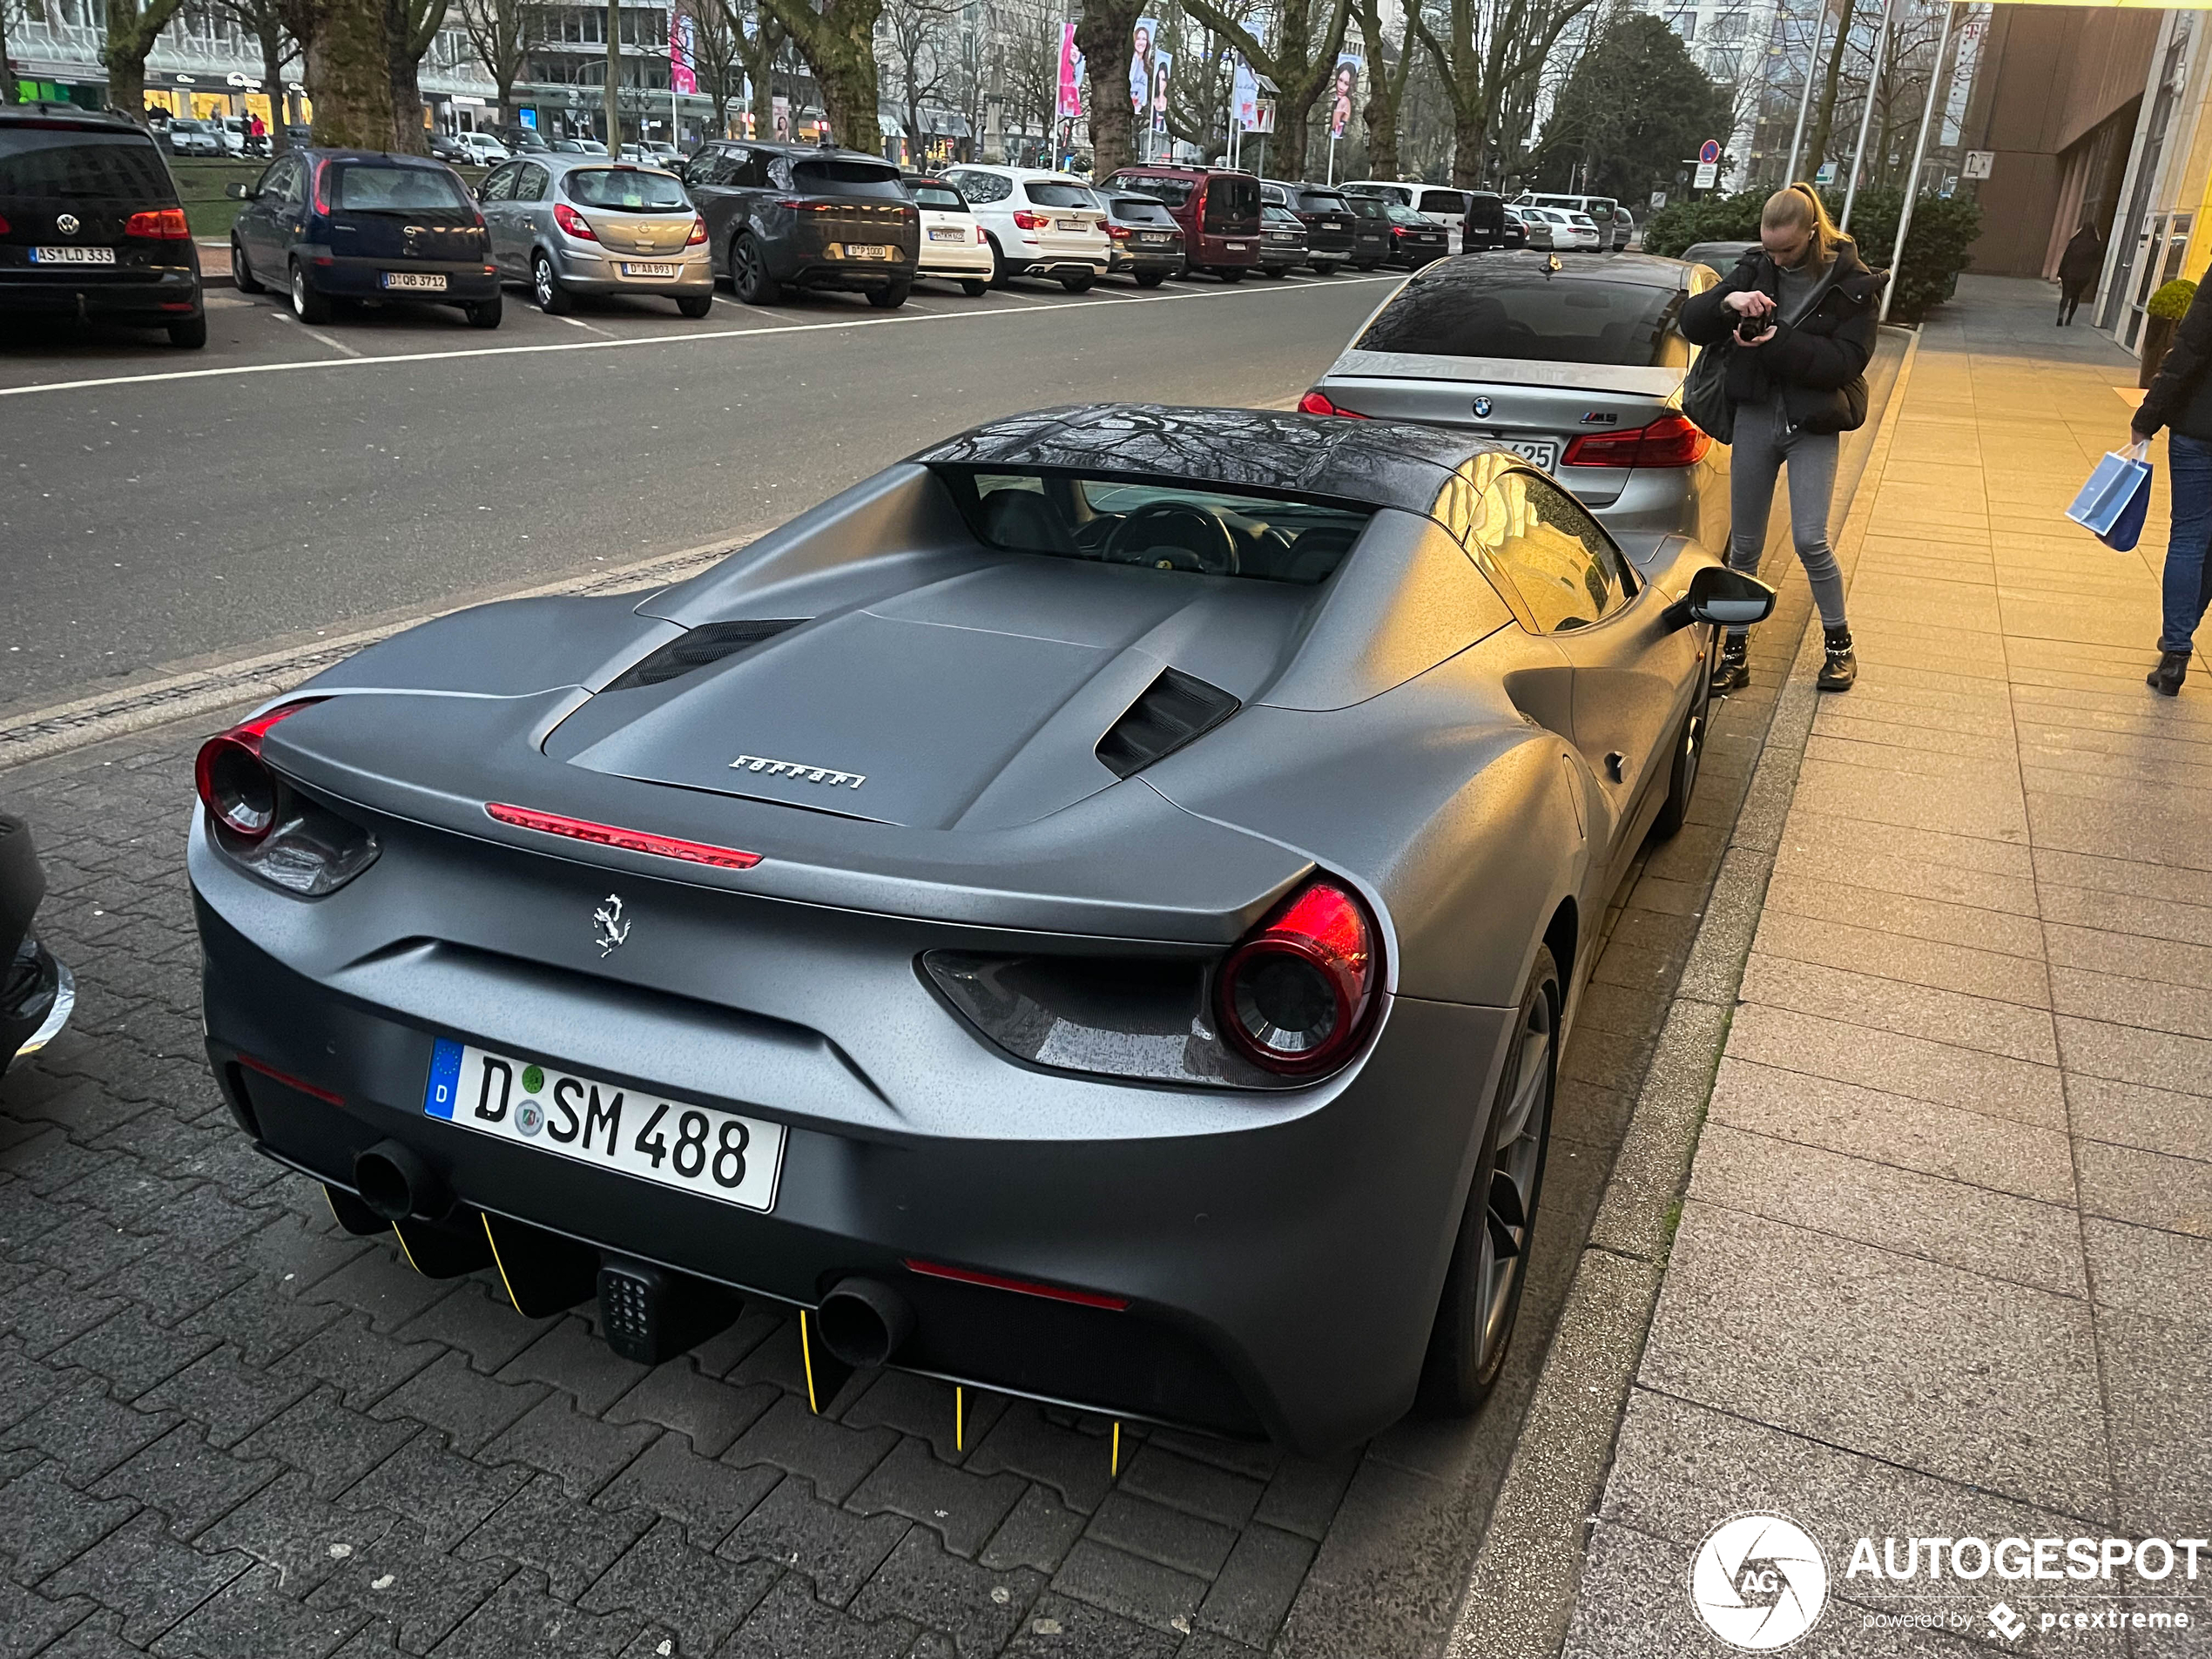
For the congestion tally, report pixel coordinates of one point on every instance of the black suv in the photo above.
(89, 224)
(784, 215)
(1329, 238)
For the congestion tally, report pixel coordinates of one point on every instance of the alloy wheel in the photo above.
(542, 281)
(1516, 1165)
(299, 293)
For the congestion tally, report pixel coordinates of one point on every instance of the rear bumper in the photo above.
(955, 259)
(1281, 258)
(1280, 1265)
(601, 273)
(1125, 262)
(1215, 253)
(160, 295)
(347, 278)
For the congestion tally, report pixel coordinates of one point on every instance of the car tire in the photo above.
(695, 307)
(1078, 285)
(1151, 278)
(484, 314)
(974, 288)
(1231, 274)
(1369, 266)
(890, 297)
(1000, 274)
(748, 272)
(190, 334)
(1273, 273)
(545, 287)
(1689, 755)
(1488, 1270)
(242, 272)
(307, 304)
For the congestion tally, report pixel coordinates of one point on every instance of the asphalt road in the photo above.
(161, 508)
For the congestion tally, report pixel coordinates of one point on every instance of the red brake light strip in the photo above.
(1019, 1286)
(630, 841)
(290, 1082)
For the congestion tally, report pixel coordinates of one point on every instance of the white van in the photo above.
(1612, 224)
(1437, 203)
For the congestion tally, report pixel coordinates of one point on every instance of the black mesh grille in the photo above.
(701, 646)
(1174, 709)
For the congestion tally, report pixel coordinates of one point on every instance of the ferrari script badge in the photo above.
(610, 927)
(799, 771)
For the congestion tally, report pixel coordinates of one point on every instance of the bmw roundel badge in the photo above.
(1482, 408)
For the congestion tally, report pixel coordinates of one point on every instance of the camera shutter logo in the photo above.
(1758, 1583)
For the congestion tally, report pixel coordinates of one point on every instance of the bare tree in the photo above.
(1025, 49)
(718, 55)
(762, 50)
(1105, 31)
(503, 33)
(264, 20)
(132, 30)
(414, 25)
(838, 43)
(921, 59)
(1309, 34)
(1485, 53)
(1386, 74)
(347, 46)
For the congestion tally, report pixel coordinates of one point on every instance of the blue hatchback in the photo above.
(329, 225)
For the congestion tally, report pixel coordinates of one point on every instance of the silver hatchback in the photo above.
(568, 225)
(1573, 360)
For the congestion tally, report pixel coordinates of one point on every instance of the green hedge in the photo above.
(1935, 248)
(2171, 302)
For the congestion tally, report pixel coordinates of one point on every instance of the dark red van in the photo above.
(1217, 209)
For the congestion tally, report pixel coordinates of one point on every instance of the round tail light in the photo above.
(235, 784)
(1296, 995)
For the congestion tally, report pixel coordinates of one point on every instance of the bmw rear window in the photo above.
(367, 189)
(84, 165)
(1046, 193)
(1509, 305)
(630, 189)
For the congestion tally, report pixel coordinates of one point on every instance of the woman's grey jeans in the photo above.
(1763, 442)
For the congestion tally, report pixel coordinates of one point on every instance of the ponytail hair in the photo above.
(1799, 207)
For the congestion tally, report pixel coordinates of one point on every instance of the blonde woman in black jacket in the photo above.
(1800, 312)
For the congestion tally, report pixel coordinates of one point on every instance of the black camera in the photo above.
(1750, 328)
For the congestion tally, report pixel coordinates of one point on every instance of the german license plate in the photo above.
(1543, 451)
(416, 282)
(73, 256)
(698, 1150)
(634, 269)
(869, 251)
(1152, 236)
(1237, 247)
(947, 233)
(1071, 225)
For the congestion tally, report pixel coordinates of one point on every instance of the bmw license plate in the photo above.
(698, 1149)
(1543, 451)
(418, 281)
(73, 256)
(633, 269)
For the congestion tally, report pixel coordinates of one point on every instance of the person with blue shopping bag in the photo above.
(2181, 398)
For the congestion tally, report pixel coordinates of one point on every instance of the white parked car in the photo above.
(1038, 223)
(1561, 231)
(953, 244)
(486, 150)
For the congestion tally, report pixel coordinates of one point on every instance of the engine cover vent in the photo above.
(1174, 709)
(707, 643)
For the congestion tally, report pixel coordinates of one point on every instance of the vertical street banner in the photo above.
(1160, 62)
(1140, 61)
(1344, 92)
(1243, 95)
(782, 116)
(683, 55)
(1071, 72)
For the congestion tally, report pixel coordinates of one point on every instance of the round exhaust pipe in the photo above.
(864, 1322)
(395, 1183)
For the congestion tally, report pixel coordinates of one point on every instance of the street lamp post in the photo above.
(1920, 155)
(1866, 115)
(1804, 98)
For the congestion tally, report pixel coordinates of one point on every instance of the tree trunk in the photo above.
(1825, 122)
(1383, 98)
(613, 92)
(272, 37)
(130, 35)
(1103, 33)
(348, 53)
(406, 88)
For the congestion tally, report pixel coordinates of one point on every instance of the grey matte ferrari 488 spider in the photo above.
(1089, 912)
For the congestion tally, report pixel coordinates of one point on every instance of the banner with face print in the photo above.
(1160, 62)
(1071, 72)
(1142, 39)
(1344, 93)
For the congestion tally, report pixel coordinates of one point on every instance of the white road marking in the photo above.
(354, 359)
(579, 322)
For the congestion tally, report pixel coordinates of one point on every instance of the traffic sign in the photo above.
(1707, 175)
(1710, 151)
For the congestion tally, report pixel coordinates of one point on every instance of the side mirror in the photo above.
(239, 192)
(1724, 597)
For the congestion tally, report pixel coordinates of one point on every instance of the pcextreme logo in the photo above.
(1759, 1581)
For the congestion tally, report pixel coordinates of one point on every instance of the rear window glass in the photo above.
(1230, 201)
(1174, 192)
(1156, 524)
(1045, 193)
(627, 189)
(1137, 211)
(984, 186)
(395, 190)
(1368, 206)
(1323, 201)
(845, 178)
(942, 198)
(1443, 201)
(1500, 308)
(100, 166)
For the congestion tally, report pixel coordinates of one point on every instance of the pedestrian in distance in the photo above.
(1797, 317)
(2181, 398)
(2079, 266)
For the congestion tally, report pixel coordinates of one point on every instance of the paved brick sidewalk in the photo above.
(1942, 1269)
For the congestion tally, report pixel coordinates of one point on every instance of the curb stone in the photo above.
(1527, 1570)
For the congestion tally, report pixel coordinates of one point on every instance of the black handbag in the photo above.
(1704, 391)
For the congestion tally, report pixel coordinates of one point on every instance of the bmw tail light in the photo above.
(1296, 995)
(1315, 403)
(698, 235)
(1672, 441)
(165, 223)
(573, 222)
(1119, 232)
(1026, 220)
(235, 784)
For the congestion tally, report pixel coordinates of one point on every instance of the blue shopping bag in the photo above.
(2111, 504)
